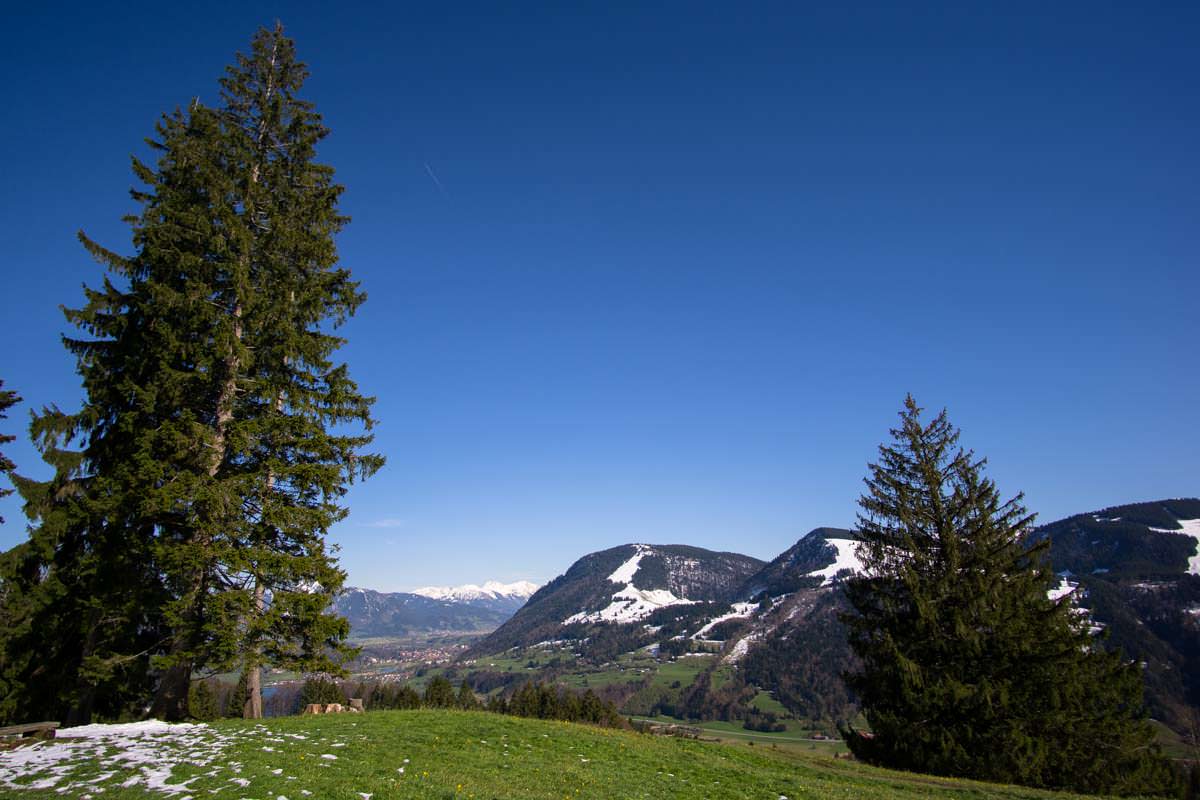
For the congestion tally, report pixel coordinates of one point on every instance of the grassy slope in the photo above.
(478, 755)
(796, 738)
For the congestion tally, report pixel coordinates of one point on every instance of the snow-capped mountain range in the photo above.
(469, 592)
(432, 609)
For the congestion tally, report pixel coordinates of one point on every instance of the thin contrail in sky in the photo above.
(441, 188)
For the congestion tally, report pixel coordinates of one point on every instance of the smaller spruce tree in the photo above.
(968, 668)
(321, 690)
(466, 698)
(439, 693)
(202, 702)
(407, 698)
(235, 701)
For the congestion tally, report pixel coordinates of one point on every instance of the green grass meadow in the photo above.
(454, 755)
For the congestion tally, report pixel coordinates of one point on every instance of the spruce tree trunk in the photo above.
(254, 705)
(170, 701)
(81, 710)
(253, 708)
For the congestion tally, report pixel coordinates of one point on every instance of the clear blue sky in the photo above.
(666, 275)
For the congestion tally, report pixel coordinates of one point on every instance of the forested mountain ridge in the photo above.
(612, 589)
(791, 569)
(1136, 569)
(1130, 541)
(778, 629)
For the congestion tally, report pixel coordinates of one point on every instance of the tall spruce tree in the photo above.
(85, 595)
(186, 531)
(278, 467)
(91, 590)
(295, 468)
(968, 668)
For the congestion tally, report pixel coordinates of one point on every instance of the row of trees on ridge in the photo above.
(531, 699)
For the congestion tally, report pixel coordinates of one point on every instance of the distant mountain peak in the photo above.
(816, 559)
(629, 585)
(847, 558)
(624, 573)
(490, 590)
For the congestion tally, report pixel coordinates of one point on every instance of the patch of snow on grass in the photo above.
(145, 728)
(149, 749)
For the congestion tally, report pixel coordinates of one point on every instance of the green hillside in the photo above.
(459, 755)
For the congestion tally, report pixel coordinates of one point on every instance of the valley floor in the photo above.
(444, 754)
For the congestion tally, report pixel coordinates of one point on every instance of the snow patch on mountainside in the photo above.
(740, 610)
(742, 647)
(847, 558)
(624, 573)
(491, 590)
(630, 603)
(1191, 527)
(1064, 588)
